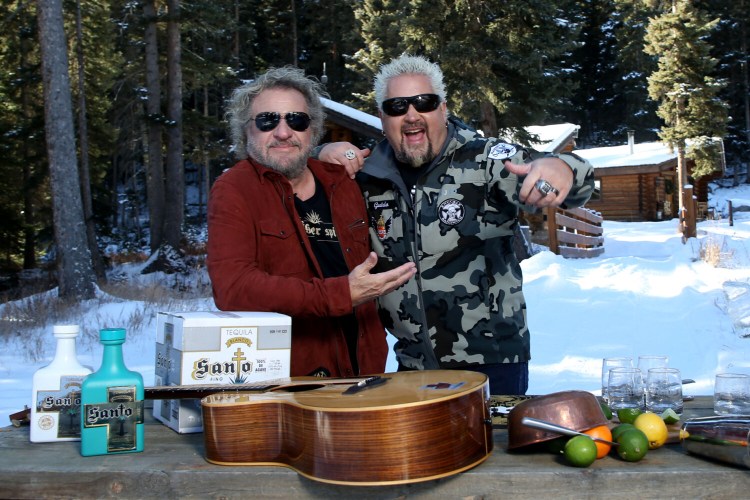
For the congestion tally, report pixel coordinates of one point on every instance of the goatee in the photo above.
(290, 167)
(415, 158)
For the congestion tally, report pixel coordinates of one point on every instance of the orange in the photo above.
(601, 432)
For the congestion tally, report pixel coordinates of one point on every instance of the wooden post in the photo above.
(690, 211)
(731, 215)
(552, 230)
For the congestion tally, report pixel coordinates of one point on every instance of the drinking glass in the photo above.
(607, 365)
(732, 394)
(645, 363)
(664, 390)
(625, 388)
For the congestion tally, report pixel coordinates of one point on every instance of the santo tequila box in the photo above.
(216, 347)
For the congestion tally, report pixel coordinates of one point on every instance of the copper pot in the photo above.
(577, 410)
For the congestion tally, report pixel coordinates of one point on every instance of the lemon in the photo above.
(653, 427)
(670, 417)
(620, 429)
(580, 451)
(628, 415)
(633, 445)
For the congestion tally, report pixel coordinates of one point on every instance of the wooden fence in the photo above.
(575, 233)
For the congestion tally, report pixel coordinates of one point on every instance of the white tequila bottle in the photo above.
(56, 391)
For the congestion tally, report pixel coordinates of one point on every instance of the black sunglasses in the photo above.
(268, 121)
(423, 103)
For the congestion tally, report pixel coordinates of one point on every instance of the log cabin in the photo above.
(638, 182)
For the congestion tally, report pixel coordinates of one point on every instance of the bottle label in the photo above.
(120, 414)
(65, 403)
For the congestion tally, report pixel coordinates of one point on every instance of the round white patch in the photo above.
(451, 212)
(502, 151)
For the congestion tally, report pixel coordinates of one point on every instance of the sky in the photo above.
(648, 293)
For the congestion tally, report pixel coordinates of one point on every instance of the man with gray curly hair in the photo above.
(289, 234)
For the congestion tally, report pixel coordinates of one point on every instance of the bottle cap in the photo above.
(112, 334)
(65, 329)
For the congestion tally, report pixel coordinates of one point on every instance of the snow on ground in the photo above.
(647, 294)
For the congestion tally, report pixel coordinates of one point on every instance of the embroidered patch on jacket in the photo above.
(451, 212)
(380, 205)
(382, 226)
(502, 151)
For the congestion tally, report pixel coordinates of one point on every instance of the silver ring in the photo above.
(350, 154)
(545, 187)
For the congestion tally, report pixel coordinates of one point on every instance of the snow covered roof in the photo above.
(553, 138)
(352, 118)
(643, 154)
(637, 158)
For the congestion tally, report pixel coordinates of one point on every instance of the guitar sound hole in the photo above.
(299, 388)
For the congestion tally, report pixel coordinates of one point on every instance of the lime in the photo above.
(628, 415)
(653, 427)
(633, 445)
(557, 445)
(670, 417)
(620, 429)
(606, 410)
(580, 451)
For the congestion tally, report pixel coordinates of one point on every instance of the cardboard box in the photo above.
(216, 347)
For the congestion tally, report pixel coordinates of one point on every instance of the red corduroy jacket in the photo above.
(259, 259)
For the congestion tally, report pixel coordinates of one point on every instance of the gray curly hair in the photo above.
(406, 64)
(239, 106)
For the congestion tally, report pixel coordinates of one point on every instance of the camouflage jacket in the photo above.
(465, 306)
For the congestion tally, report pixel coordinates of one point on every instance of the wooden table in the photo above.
(172, 466)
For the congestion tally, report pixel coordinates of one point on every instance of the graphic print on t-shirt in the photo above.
(317, 228)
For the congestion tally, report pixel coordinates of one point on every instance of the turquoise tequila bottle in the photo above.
(112, 402)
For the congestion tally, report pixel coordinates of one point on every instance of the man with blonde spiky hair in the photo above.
(289, 234)
(446, 198)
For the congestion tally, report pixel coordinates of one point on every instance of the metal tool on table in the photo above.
(549, 426)
(723, 438)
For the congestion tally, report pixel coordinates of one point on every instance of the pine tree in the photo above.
(684, 86)
(328, 35)
(23, 171)
(731, 43)
(500, 58)
(380, 23)
(629, 91)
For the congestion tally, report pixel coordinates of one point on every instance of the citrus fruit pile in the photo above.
(636, 433)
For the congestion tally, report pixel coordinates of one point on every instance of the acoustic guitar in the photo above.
(394, 428)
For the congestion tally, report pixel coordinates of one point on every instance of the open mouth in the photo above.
(414, 135)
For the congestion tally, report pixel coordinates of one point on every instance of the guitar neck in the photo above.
(202, 390)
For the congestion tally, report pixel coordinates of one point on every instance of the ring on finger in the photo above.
(350, 154)
(546, 188)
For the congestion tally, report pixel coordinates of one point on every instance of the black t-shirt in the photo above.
(315, 213)
(410, 174)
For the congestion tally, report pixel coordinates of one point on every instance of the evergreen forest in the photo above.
(146, 82)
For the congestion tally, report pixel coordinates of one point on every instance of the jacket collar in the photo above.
(327, 173)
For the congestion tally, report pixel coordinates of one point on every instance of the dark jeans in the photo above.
(505, 378)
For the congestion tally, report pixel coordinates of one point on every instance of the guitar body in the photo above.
(419, 425)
